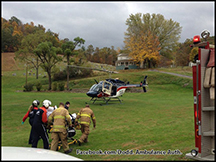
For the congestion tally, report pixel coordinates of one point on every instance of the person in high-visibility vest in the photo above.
(85, 115)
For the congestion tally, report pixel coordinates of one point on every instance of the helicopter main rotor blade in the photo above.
(96, 81)
(94, 69)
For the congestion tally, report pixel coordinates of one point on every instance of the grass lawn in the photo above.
(186, 70)
(160, 120)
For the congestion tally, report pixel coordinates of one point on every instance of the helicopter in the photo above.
(110, 88)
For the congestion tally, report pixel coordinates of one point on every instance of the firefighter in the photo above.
(85, 115)
(30, 113)
(39, 125)
(58, 117)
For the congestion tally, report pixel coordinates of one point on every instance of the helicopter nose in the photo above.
(92, 94)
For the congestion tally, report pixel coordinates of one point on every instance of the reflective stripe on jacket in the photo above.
(59, 117)
(85, 115)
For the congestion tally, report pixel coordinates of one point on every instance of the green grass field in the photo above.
(160, 120)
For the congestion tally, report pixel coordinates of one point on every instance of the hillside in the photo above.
(161, 119)
(8, 62)
(11, 66)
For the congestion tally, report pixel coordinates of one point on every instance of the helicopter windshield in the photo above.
(96, 87)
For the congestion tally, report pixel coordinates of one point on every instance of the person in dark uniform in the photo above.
(38, 125)
(67, 105)
(31, 112)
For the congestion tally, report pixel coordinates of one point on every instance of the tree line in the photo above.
(39, 48)
(151, 40)
(15, 36)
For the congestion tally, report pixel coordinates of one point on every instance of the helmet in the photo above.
(35, 103)
(71, 132)
(46, 103)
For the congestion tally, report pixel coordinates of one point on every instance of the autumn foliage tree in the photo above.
(183, 53)
(89, 52)
(11, 34)
(166, 32)
(144, 48)
(103, 55)
(193, 53)
(13, 31)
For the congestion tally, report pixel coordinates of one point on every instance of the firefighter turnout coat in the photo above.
(85, 115)
(61, 117)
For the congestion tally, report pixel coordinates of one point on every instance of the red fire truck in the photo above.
(204, 99)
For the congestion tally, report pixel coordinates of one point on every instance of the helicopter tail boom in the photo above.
(142, 84)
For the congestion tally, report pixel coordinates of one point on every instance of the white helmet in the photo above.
(47, 103)
(35, 103)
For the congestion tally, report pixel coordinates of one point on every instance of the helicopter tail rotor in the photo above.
(144, 84)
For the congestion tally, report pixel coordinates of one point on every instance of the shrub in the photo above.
(54, 86)
(85, 72)
(73, 73)
(28, 87)
(38, 86)
(61, 86)
(59, 76)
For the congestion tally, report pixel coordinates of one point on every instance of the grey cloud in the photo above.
(102, 24)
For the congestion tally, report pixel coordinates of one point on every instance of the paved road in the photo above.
(180, 75)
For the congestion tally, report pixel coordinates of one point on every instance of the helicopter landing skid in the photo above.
(113, 98)
(105, 100)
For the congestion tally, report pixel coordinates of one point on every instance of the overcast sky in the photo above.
(102, 23)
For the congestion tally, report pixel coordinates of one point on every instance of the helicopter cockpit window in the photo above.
(92, 87)
(101, 82)
(106, 85)
(96, 87)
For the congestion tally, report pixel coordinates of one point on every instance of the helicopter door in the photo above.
(107, 87)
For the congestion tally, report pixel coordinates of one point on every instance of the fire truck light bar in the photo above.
(196, 39)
